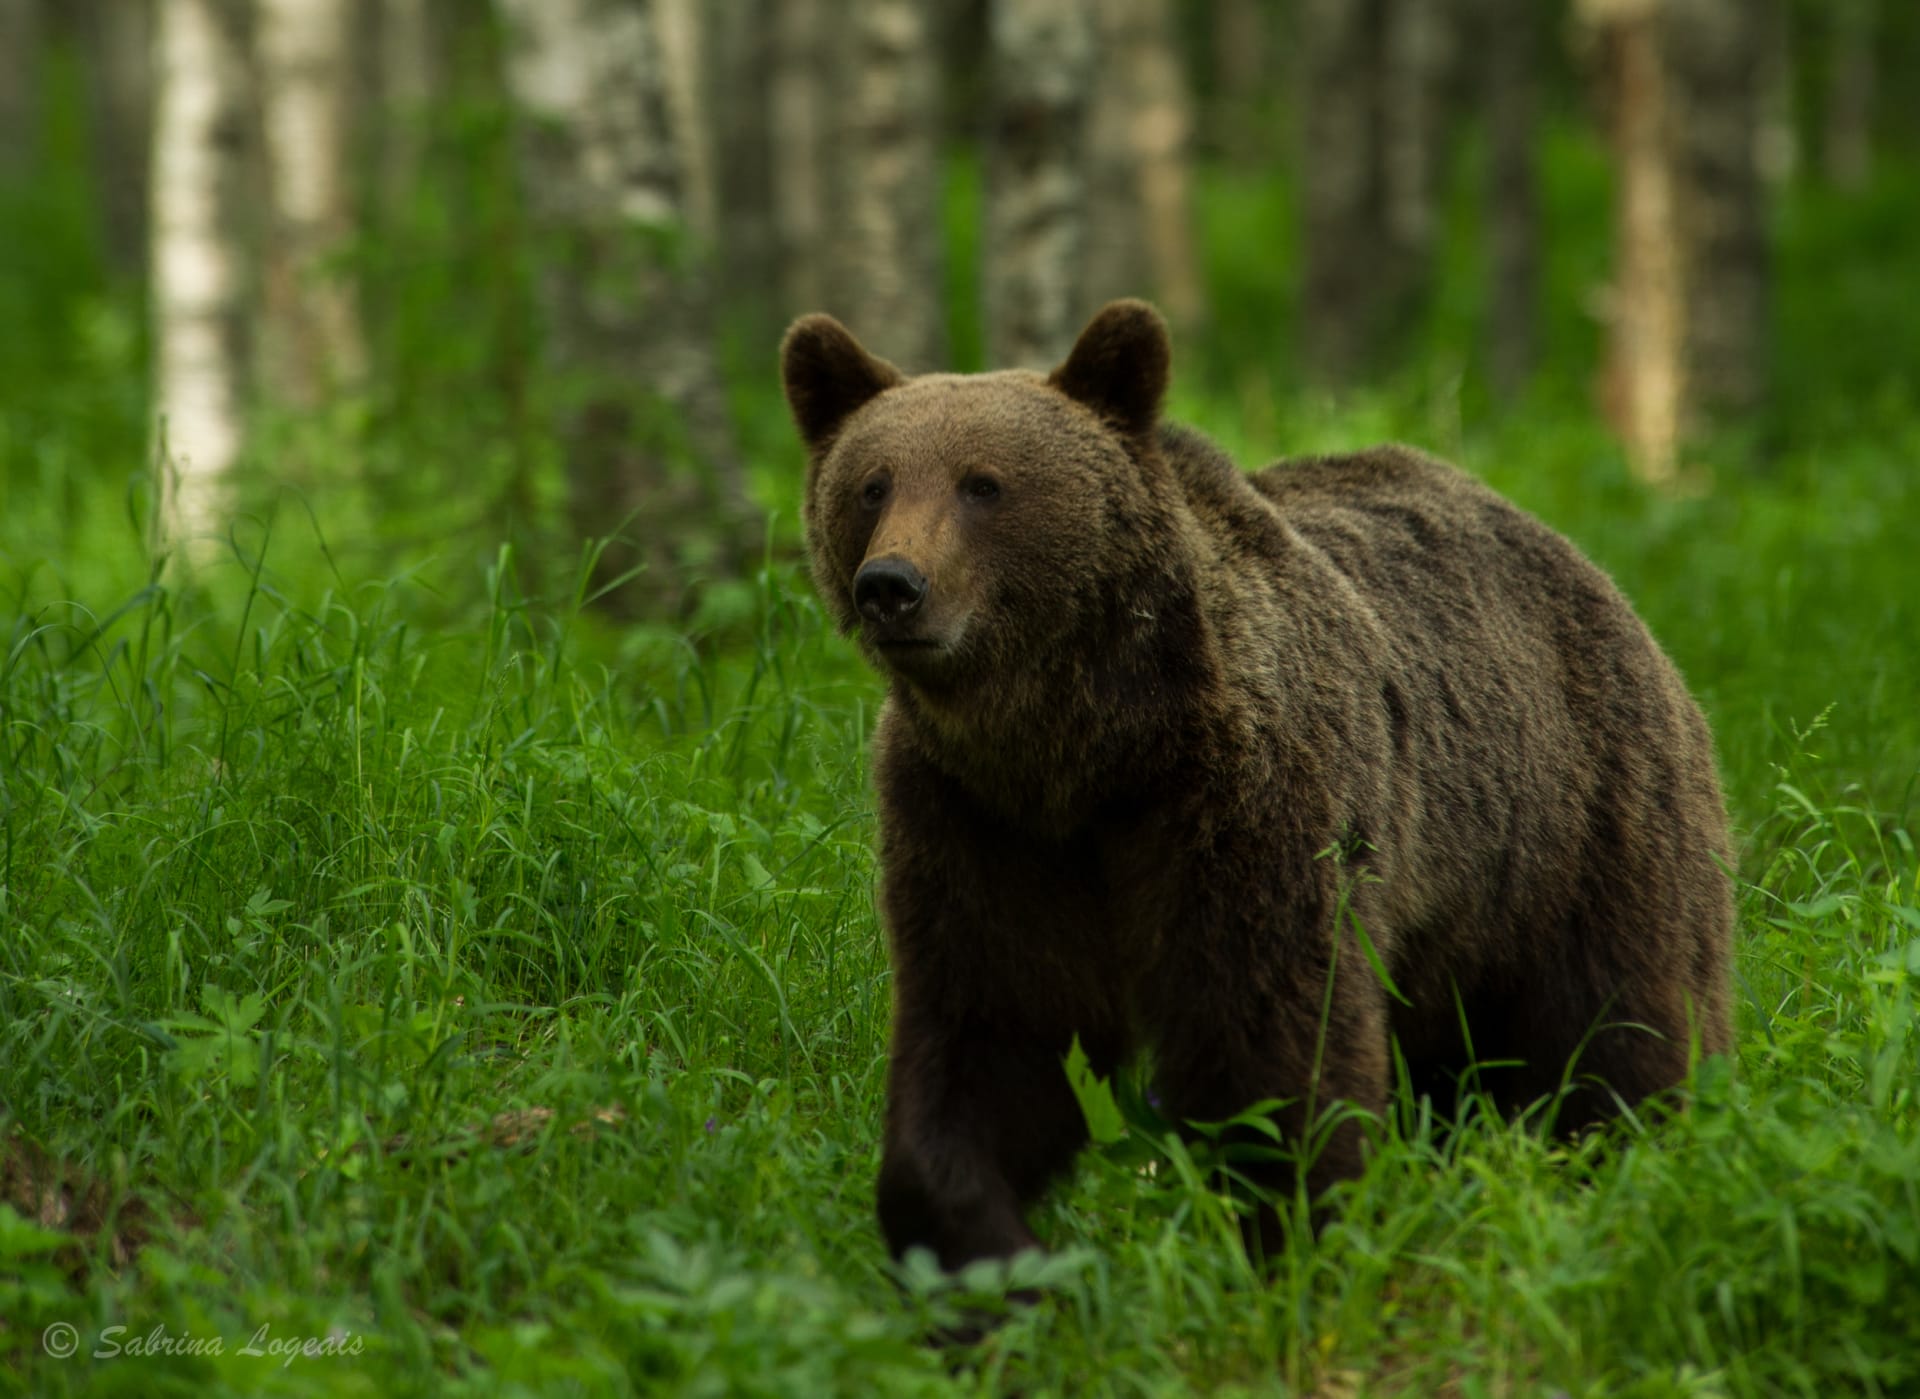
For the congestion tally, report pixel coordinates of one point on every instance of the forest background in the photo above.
(435, 881)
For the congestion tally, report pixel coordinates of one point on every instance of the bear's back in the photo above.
(1424, 540)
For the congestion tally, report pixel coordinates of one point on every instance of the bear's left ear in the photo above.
(827, 375)
(1119, 365)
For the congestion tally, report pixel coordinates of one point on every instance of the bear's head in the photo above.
(967, 526)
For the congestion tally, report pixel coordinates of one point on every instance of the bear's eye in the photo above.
(874, 491)
(980, 488)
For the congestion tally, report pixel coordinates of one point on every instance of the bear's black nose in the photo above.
(886, 590)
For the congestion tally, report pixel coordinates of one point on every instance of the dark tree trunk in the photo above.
(1511, 56)
(20, 59)
(799, 110)
(1345, 249)
(118, 41)
(739, 67)
(1716, 55)
(1847, 140)
(1240, 54)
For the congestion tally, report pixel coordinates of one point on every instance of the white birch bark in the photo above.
(629, 309)
(198, 271)
(310, 338)
(885, 248)
(1041, 56)
(1141, 134)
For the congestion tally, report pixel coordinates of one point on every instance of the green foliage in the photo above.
(444, 971)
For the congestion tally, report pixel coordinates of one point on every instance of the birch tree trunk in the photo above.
(1141, 139)
(683, 61)
(1642, 385)
(1847, 138)
(310, 341)
(886, 270)
(201, 135)
(1041, 60)
(649, 450)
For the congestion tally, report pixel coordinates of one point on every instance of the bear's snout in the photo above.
(888, 590)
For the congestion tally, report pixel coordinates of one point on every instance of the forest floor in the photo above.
(503, 998)
(412, 983)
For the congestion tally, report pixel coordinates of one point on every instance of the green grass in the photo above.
(302, 896)
(392, 951)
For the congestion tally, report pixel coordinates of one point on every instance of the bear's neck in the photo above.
(1095, 721)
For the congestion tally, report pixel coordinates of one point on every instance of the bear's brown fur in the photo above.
(1151, 720)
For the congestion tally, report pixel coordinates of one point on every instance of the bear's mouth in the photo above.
(916, 658)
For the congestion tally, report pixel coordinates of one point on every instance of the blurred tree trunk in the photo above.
(885, 269)
(683, 59)
(1417, 36)
(20, 58)
(1343, 226)
(739, 70)
(1685, 81)
(117, 37)
(1847, 140)
(1141, 242)
(310, 340)
(1041, 62)
(799, 95)
(1716, 54)
(201, 137)
(1510, 53)
(1779, 122)
(1642, 384)
(408, 68)
(1239, 42)
(1373, 77)
(649, 449)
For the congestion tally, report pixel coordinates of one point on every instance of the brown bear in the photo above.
(1159, 733)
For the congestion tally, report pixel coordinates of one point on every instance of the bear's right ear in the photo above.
(827, 375)
(1119, 365)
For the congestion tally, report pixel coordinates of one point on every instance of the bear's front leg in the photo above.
(1263, 1009)
(979, 1118)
